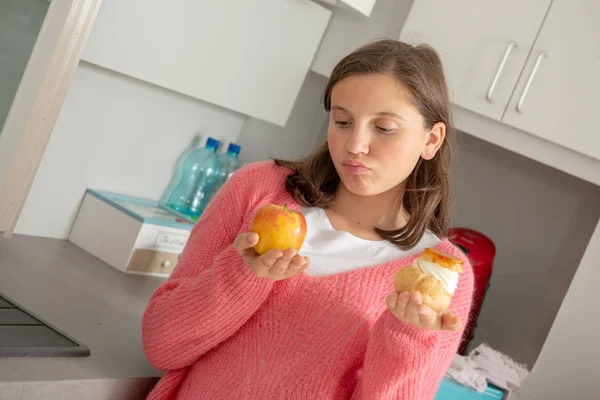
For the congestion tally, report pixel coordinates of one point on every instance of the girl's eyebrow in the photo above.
(392, 114)
(386, 113)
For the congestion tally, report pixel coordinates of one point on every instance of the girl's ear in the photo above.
(435, 138)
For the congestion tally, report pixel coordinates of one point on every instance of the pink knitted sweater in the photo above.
(223, 333)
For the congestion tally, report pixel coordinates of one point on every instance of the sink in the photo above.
(23, 334)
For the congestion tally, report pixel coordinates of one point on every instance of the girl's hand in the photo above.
(409, 308)
(274, 264)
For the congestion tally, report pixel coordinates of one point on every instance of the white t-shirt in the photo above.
(333, 252)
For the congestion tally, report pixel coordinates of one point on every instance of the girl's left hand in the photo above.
(409, 308)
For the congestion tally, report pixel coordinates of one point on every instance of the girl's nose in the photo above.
(358, 141)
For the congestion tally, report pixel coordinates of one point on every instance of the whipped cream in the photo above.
(448, 277)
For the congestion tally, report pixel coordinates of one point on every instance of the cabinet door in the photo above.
(248, 56)
(478, 41)
(557, 97)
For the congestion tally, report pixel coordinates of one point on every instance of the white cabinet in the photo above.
(248, 56)
(478, 41)
(364, 7)
(531, 66)
(557, 97)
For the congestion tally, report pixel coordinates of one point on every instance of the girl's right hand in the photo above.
(274, 264)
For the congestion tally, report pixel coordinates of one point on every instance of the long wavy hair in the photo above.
(426, 198)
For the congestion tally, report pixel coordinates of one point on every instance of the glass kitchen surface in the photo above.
(144, 210)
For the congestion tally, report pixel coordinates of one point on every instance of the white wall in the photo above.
(118, 134)
(261, 140)
(348, 30)
(541, 221)
(569, 366)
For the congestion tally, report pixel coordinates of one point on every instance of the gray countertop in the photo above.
(83, 297)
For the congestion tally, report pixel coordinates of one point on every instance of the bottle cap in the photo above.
(234, 148)
(214, 143)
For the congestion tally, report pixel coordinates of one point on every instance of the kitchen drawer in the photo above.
(152, 262)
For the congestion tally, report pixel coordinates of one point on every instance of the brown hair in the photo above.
(426, 198)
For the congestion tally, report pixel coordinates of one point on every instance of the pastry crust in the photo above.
(412, 278)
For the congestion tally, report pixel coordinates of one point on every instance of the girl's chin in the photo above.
(364, 187)
(357, 186)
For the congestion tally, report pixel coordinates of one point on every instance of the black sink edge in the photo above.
(33, 352)
(78, 349)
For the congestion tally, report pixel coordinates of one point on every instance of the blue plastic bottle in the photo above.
(228, 163)
(178, 170)
(200, 175)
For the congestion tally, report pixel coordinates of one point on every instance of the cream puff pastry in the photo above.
(433, 274)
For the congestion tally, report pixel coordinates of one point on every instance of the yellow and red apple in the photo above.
(278, 227)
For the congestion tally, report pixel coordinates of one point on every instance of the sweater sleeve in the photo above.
(212, 292)
(403, 362)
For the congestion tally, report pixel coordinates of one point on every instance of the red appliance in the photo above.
(481, 251)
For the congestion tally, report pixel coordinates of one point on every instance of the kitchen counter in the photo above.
(87, 300)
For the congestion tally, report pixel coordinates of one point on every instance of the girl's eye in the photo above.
(384, 130)
(342, 123)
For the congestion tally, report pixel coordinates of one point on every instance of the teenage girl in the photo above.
(325, 323)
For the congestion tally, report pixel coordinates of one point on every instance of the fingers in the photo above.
(288, 265)
(409, 308)
(274, 264)
(427, 317)
(403, 300)
(297, 264)
(245, 241)
(392, 300)
(412, 308)
(282, 263)
(267, 260)
(450, 322)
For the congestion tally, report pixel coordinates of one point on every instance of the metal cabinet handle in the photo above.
(507, 52)
(538, 61)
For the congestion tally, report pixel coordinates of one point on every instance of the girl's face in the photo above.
(376, 135)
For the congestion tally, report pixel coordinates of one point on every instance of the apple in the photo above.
(278, 227)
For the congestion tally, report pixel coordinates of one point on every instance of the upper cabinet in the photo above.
(557, 97)
(248, 56)
(483, 45)
(364, 7)
(532, 65)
